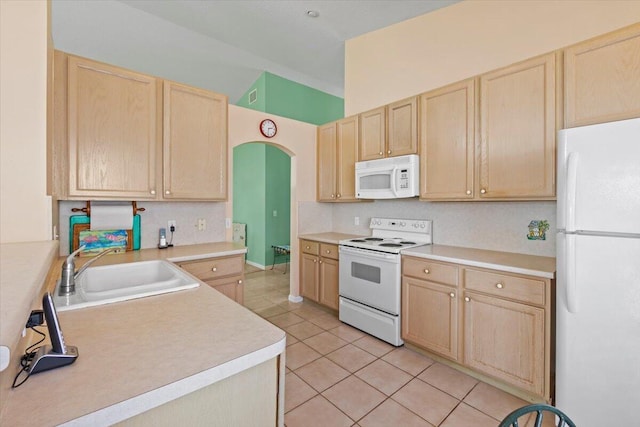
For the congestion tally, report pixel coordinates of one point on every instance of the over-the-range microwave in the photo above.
(390, 178)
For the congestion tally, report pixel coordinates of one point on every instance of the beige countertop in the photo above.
(329, 237)
(139, 354)
(23, 270)
(533, 265)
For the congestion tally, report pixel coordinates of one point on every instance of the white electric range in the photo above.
(370, 279)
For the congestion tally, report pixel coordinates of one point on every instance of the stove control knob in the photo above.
(416, 225)
(402, 223)
(422, 225)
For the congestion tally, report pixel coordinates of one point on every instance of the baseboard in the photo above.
(256, 265)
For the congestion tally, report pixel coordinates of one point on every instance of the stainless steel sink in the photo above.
(121, 282)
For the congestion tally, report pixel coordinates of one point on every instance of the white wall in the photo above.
(25, 209)
(467, 39)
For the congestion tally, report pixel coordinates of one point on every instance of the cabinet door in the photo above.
(233, 289)
(602, 78)
(402, 122)
(326, 179)
(430, 316)
(447, 142)
(347, 155)
(505, 340)
(309, 276)
(329, 274)
(517, 130)
(195, 143)
(112, 125)
(373, 134)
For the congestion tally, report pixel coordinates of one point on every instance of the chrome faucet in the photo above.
(69, 273)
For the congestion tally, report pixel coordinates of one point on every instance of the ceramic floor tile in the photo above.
(383, 376)
(373, 345)
(309, 311)
(299, 354)
(347, 332)
(325, 342)
(448, 380)
(290, 306)
(465, 416)
(425, 400)
(256, 303)
(270, 311)
(391, 413)
(321, 374)
(296, 391)
(286, 319)
(317, 412)
(354, 397)
(326, 321)
(291, 340)
(303, 330)
(408, 360)
(496, 403)
(351, 357)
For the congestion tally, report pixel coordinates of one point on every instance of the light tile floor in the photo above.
(337, 375)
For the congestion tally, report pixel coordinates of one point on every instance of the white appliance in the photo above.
(370, 279)
(390, 178)
(598, 277)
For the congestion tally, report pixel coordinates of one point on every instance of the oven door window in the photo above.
(369, 273)
(378, 181)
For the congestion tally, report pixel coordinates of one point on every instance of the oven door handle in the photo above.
(365, 253)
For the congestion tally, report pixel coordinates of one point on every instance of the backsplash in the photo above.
(156, 215)
(500, 226)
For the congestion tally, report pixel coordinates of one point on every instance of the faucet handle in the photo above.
(69, 260)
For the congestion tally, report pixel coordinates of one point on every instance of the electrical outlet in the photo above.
(356, 220)
(172, 223)
(227, 222)
(202, 224)
(275, 213)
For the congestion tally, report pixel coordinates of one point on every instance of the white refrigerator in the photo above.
(598, 274)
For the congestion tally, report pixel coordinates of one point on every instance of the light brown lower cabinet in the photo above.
(224, 274)
(495, 323)
(319, 272)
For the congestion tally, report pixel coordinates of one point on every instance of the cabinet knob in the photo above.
(328, 251)
(153, 192)
(389, 152)
(467, 299)
(320, 262)
(468, 192)
(307, 247)
(333, 196)
(240, 282)
(167, 192)
(315, 260)
(452, 295)
(380, 153)
(483, 191)
(214, 269)
(426, 271)
(499, 285)
(338, 195)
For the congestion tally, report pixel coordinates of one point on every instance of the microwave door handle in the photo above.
(394, 174)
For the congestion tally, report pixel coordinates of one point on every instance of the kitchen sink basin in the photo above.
(121, 282)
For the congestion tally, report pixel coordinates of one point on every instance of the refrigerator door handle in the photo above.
(570, 274)
(571, 194)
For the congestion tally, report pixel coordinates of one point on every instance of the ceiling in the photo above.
(269, 35)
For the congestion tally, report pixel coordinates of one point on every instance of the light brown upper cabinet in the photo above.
(447, 139)
(118, 135)
(518, 106)
(337, 155)
(194, 143)
(389, 131)
(112, 127)
(602, 78)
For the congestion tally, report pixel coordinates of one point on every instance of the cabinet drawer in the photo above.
(430, 270)
(212, 268)
(329, 251)
(527, 290)
(310, 247)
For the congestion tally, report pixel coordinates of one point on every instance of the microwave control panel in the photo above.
(403, 179)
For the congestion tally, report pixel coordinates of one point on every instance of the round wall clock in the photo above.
(268, 128)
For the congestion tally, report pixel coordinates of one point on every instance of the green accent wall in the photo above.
(262, 185)
(286, 98)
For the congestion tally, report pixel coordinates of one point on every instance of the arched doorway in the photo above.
(262, 199)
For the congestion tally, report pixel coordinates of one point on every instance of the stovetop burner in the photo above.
(358, 240)
(392, 235)
(391, 245)
(405, 242)
(373, 239)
